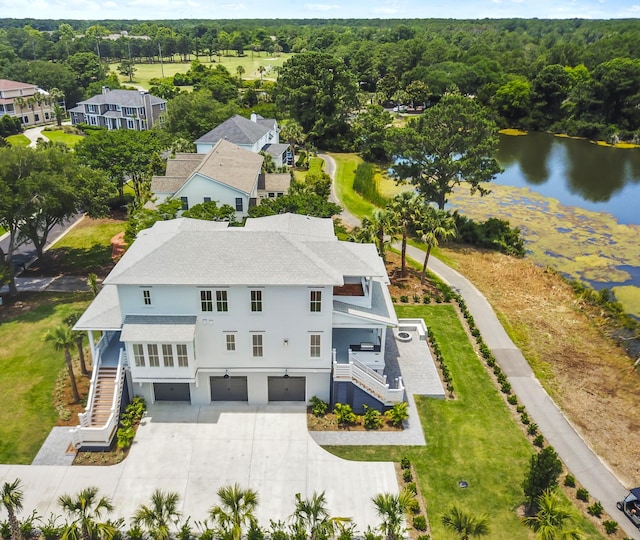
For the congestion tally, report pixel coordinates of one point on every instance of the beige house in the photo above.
(26, 101)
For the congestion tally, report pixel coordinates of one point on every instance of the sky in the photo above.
(331, 9)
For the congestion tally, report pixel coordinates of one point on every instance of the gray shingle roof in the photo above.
(276, 150)
(277, 182)
(238, 130)
(103, 313)
(313, 227)
(195, 252)
(124, 98)
(156, 328)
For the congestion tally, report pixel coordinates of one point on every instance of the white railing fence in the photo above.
(371, 382)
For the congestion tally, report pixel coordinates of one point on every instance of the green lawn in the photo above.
(472, 438)
(58, 135)
(250, 63)
(29, 368)
(18, 140)
(346, 165)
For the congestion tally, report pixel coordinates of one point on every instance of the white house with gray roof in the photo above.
(119, 109)
(227, 174)
(278, 310)
(257, 134)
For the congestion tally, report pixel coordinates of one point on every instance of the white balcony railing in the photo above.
(368, 380)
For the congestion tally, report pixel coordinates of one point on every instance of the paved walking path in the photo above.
(580, 459)
(35, 133)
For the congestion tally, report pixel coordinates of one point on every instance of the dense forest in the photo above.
(575, 76)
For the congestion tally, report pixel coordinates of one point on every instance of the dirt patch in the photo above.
(588, 375)
(118, 247)
(408, 287)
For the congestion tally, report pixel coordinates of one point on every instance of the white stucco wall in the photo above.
(199, 187)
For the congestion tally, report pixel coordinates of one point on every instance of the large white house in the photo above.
(277, 310)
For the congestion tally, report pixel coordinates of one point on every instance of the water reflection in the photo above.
(575, 172)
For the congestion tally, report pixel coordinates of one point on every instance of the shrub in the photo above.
(372, 418)
(398, 413)
(413, 506)
(512, 399)
(344, 413)
(5, 530)
(406, 475)
(610, 526)
(426, 299)
(538, 441)
(544, 469)
(124, 437)
(420, 523)
(596, 509)
(532, 429)
(404, 299)
(582, 494)
(135, 533)
(520, 409)
(501, 377)
(505, 387)
(405, 463)
(318, 407)
(416, 298)
(255, 532)
(524, 418)
(411, 486)
(570, 480)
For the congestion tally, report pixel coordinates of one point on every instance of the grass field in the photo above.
(250, 62)
(58, 135)
(18, 140)
(472, 438)
(29, 368)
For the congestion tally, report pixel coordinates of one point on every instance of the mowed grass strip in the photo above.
(346, 165)
(58, 135)
(18, 140)
(473, 438)
(29, 367)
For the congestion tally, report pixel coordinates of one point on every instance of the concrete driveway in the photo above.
(195, 450)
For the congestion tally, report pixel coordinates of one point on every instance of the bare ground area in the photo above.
(587, 374)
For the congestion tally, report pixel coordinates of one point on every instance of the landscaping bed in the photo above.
(329, 422)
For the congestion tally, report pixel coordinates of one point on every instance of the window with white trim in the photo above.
(256, 301)
(167, 354)
(206, 301)
(231, 342)
(314, 345)
(152, 353)
(256, 346)
(222, 302)
(131, 124)
(185, 203)
(315, 301)
(138, 354)
(183, 356)
(146, 297)
(239, 204)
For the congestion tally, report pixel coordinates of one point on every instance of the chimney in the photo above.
(254, 117)
(105, 89)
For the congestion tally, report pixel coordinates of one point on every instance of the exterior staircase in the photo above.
(103, 396)
(368, 380)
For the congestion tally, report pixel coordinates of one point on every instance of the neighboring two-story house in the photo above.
(119, 109)
(227, 174)
(278, 310)
(26, 101)
(256, 135)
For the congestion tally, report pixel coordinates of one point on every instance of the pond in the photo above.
(577, 204)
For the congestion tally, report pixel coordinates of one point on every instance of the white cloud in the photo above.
(321, 7)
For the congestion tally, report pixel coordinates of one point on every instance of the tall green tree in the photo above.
(11, 497)
(552, 521)
(380, 228)
(78, 337)
(318, 91)
(370, 130)
(406, 207)
(191, 115)
(127, 67)
(86, 510)
(391, 508)
(62, 339)
(158, 517)
(464, 524)
(543, 473)
(434, 226)
(235, 511)
(452, 143)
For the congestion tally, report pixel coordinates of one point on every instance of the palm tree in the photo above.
(240, 71)
(433, 226)
(20, 102)
(85, 509)
(157, 518)
(92, 281)
(552, 521)
(78, 337)
(261, 70)
(312, 517)
(465, 525)
(405, 206)
(382, 226)
(291, 131)
(63, 340)
(391, 509)
(11, 498)
(235, 510)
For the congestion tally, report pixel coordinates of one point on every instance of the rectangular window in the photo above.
(256, 342)
(146, 297)
(206, 301)
(256, 301)
(231, 342)
(131, 124)
(183, 357)
(152, 353)
(162, 107)
(138, 354)
(314, 345)
(93, 108)
(207, 199)
(167, 354)
(238, 204)
(36, 117)
(46, 116)
(129, 111)
(222, 303)
(315, 301)
(93, 120)
(185, 203)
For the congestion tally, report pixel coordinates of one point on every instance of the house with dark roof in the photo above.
(119, 109)
(227, 174)
(26, 101)
(257, 134)
(279, 310)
